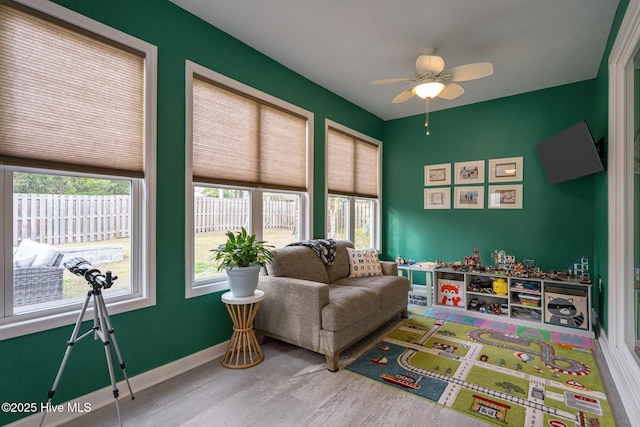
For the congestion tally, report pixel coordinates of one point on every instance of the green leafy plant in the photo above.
(242, 250)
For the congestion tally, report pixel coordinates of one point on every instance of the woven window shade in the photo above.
(69, 101)
(340, 163)
(240, 141)
(352, 166)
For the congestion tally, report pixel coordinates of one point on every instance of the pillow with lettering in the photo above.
(364, 263)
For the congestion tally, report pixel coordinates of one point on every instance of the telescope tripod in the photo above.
(102, 330)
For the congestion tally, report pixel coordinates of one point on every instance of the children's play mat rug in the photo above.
(501, 373)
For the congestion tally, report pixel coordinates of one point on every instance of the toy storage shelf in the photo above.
(479, 299)
(546, 303)
(525, 299)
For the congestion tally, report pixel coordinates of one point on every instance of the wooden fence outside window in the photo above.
(61, 219)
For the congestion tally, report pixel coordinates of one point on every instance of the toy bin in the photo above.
(450, 292)
(529, 300)
(566, 307)
(418, 296)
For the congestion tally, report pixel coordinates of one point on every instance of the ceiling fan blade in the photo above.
(429, 63)
(463, 73)
(451, 91)
(391, 81)
(403, 96)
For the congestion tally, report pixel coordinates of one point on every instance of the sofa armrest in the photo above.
(292, 309)
(389, 268)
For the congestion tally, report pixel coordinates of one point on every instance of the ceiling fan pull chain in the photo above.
(426, 118)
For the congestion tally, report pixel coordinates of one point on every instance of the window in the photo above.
(248, 165)
(87, 93)
(353, 186)
(216, 210)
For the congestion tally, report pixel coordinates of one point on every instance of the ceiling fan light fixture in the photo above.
(428, 90)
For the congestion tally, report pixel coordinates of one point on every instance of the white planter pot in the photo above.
(243, 281)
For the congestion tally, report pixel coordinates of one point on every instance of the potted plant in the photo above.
(242, 256)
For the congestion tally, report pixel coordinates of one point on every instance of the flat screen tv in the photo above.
(570, 154)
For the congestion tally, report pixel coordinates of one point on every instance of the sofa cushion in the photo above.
(364, 263)
(46, 255)
(340, 267)
(298, 262)
(389, 289)
(348, 305)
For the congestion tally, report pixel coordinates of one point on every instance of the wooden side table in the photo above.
(244, 350)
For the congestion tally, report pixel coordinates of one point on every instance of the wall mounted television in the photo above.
(571, 154)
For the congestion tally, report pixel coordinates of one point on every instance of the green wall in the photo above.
(555, 225)
(175, 327)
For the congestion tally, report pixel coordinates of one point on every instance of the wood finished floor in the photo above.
(292, 387)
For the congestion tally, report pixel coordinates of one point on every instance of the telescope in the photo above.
(93, 276)
(102, 328)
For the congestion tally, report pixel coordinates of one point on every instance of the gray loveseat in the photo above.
(321, 308)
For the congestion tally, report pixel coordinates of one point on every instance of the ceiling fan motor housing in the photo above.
(429, 64)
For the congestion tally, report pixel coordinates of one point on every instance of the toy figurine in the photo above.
(499, 258)
(580, 270)
(475, 256)
(473, 262)
(500, 286)
(509, 263)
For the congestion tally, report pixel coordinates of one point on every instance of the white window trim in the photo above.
(193, 288)
(24, 324)
(377, 241)
(621, 360)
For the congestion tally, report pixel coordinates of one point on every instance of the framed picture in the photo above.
(505, 196)
(469, 172)
(437, 198)
(469, 197)
(437, 174)
(508, 169)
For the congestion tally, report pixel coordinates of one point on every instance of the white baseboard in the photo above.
(104, 396)
(626, 376)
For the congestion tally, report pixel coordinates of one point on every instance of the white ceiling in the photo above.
(343, 45)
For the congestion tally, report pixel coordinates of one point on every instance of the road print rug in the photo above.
(502, 376)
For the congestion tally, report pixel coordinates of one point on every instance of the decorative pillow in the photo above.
(24, 262)
(46, 255)
(364, 263)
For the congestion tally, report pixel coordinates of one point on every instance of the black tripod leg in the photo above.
(112, 334)
(74, 338)
(102, 331)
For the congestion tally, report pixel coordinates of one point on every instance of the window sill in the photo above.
(19, 325)
(196, 290)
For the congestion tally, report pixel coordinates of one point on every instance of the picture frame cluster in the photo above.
(506, 175)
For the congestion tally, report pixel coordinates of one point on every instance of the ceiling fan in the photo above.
(434, 81)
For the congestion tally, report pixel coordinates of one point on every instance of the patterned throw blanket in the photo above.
(325, 249)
